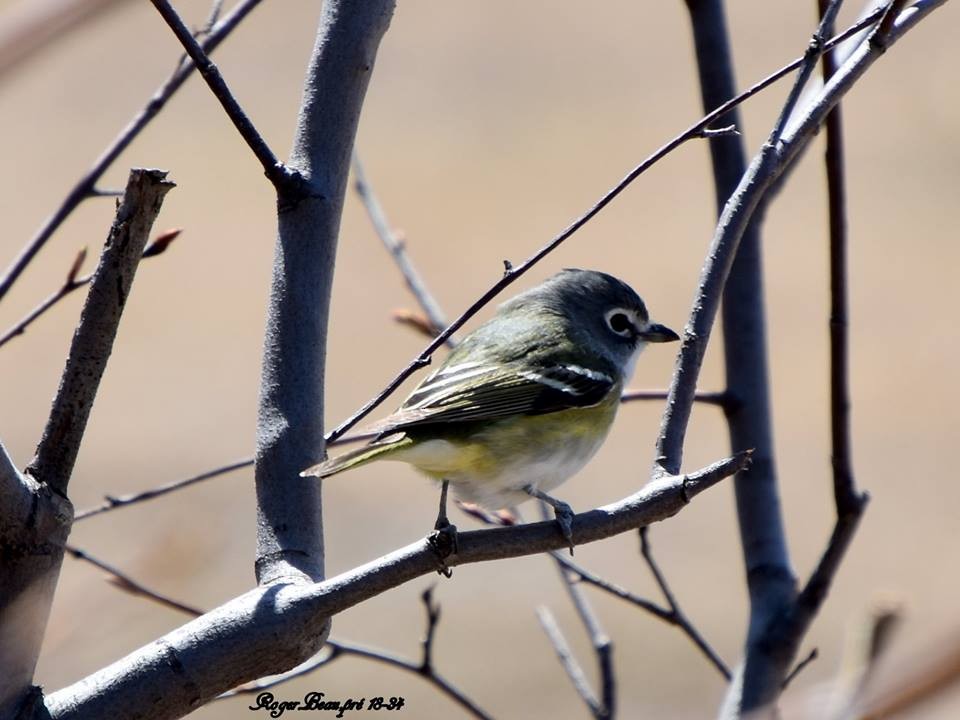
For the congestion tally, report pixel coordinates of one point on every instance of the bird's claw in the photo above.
(564, 514)
(444, 541)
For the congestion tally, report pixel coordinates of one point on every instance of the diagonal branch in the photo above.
(93, 340)
(397, 249)
(604, 706)
(569, 663)
(290, 186)
(72, 282)
(698, 130)
(677, 616)
(273, 627)
(112, 502)
(337, 648)
(124, 582)
(86, 185)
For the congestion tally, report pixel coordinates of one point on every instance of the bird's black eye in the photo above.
(620, 323)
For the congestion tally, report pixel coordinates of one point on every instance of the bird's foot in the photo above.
(444, 539)
(444, 543)
(562, 512)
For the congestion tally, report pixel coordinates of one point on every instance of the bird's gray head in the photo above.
(598, 312)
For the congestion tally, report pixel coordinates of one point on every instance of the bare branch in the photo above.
(127, 584)
(290, 186)
(34, 523)
(799, 667)
(397, 248)
(677, 616)
(720, 399)
(783, 617)
(438, 681)
(605, 706)
(569, 662)
(86, 185)
(844, 490)
(811, 57)
(72, 282)
(590, 578)
(9, 474)
(93, 340)
(112, 502)
(337, 648)
(433, 618)
(512, 273)
(271, 628)
(291, 408)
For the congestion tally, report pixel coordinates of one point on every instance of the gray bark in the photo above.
(290, 422)
(35, 515)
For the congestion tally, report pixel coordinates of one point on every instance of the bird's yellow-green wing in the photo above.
(477, 392)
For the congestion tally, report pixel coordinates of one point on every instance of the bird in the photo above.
(524, 401)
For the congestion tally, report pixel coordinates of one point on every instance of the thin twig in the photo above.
(890, 13)
(93, 340)
(112, 502)
(433, 678)
(844, 490)
(123, 581)
(717, 267)
(612, 588)
(433, 617)
(85, 187)
(798, 668)
(720, 399)
(568, 661)
(512, 273)
(72, 282)
(667, 615)
(605, 706)
(337, 648)
(397, 248)
(811, 57)
(290, 185)
(678, 617)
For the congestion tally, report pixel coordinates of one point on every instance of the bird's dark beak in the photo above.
(659, 334)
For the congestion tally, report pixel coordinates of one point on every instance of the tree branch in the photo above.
(72, 282)
(337, 648)
(397, 249)
(112, 502)
(605, 705)
(845, 495)
(86, 185)
(127, 584)
(569, 663)
(697, 130)
(289, 185)
(774, 643)
(274, 627)
(677, 616)
(93, 340)
(291, 408)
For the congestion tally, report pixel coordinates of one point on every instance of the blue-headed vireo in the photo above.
(525, 400)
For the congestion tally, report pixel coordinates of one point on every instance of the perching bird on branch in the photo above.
(525, 400)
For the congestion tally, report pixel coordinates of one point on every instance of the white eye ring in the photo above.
(621, 321)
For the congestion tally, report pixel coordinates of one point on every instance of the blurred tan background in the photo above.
(487, 128)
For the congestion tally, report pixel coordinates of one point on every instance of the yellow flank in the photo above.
(488, 451)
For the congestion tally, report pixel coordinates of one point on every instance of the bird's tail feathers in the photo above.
(358, 456)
